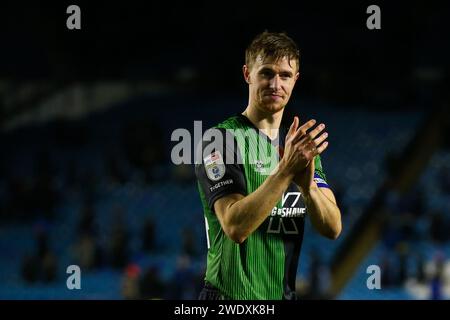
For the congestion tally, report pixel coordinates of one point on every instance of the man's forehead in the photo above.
(269, 61)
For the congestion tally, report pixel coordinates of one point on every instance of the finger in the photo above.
(313, 133)
(321, 139)
(293, 127)
(308, 125)
(302, 130)
(321, 148)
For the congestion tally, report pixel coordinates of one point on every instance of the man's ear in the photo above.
(297, 76)
(246, 72)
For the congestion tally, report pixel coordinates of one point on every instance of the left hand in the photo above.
(315, 144)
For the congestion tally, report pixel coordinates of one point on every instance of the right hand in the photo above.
(300, 147)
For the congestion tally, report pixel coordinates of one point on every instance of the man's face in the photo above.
(271, 83)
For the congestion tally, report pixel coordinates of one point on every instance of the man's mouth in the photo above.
(274, 96)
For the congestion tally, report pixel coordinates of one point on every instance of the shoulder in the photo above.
(225, 133)
(219, 142)
(234, 122)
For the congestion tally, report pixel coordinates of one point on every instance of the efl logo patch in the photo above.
(214, 166)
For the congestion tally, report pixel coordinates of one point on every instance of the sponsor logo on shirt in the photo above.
(288, 212)
(282, 220)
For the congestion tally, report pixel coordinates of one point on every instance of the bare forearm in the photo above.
(324, 213)
(247, 214)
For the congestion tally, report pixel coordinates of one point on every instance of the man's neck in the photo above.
(266, 122)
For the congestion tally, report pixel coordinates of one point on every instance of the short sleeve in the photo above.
(220, 172)
(319, 175)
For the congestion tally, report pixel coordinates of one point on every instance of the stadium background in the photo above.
(86, 119)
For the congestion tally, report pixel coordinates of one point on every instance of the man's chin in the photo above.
(273, 107)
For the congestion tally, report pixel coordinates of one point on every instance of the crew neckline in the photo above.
(247, 120)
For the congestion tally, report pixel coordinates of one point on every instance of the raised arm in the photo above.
(240, 215)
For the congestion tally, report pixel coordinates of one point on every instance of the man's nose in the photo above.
(275, 82)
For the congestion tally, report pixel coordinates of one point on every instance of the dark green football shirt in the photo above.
(264, 266)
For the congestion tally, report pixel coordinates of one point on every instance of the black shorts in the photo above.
(209, 292)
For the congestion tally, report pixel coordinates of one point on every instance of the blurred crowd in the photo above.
(34, 193)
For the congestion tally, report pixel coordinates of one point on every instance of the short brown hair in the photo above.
(274, 45)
